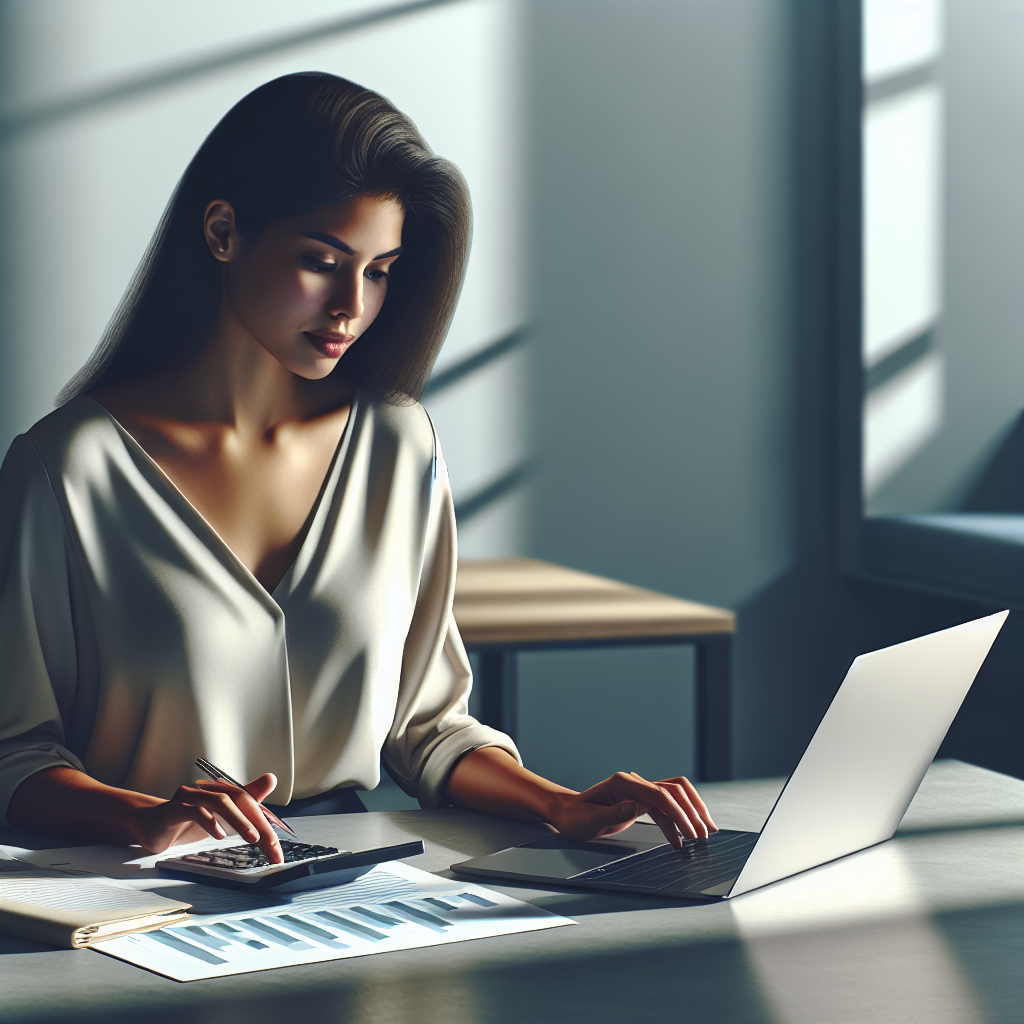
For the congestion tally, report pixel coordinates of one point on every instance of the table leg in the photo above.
(498, 691)
(714, 709)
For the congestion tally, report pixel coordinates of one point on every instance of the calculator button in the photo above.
(250, 857)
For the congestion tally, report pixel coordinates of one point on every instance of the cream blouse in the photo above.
(132, 640)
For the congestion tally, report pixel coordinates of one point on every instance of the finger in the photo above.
(237, 808)
(694, 798)
(179, 811)
(661, 799)
(182, 807)
(210, 823)
(698, 802)
(676, 817)
(680, 796)
(268, 840)
(255, 813)
(261, 787)
(667, 826)
(250, 821)
(218, 803)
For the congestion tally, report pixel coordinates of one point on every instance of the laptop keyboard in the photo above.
(700, 864)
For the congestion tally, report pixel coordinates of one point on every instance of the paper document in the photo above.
(394, 906)
(129, 863)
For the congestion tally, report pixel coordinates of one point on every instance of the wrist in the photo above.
(122, 811)
(490, 779)
(556, 805)
(128, 811)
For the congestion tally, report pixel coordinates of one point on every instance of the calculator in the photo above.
(305, 866)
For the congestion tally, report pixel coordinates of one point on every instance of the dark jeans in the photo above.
(334, 801)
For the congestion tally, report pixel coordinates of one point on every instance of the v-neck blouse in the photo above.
(133, 640)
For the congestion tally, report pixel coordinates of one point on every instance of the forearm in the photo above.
(67, 802)
(490, 779)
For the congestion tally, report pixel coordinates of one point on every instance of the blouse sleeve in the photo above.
(38, 670)
(432, 729)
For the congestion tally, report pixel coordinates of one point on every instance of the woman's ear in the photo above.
(221, 234)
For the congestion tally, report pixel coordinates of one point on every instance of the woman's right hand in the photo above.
(204, 809)
(64, 801)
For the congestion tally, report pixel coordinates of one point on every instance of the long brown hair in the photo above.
(289, 146)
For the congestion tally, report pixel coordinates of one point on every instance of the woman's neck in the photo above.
(235, 383)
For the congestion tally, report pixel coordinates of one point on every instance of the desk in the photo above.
(927, 928)
(504, 606)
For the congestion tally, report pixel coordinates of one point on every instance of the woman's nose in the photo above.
(347, 299)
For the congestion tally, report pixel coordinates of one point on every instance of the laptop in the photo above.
(849, 790)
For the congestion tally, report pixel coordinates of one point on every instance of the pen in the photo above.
(218, 776)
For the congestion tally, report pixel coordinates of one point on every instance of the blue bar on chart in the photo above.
(470, 897)
(238, 935)
(321, 936)
(275, 936)
(181, 946)
(422, 917)
(374, 915)
(361, 931)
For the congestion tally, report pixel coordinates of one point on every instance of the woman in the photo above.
(235, 537)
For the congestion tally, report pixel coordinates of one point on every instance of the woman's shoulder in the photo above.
(40, 462)
(407, 424)
(73, 434)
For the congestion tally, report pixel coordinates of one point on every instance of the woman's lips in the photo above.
(330, 343)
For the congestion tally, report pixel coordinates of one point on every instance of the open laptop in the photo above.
(849, 791)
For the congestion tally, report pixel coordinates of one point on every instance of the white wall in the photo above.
(661, 367)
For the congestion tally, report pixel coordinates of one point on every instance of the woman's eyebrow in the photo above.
(337, 243)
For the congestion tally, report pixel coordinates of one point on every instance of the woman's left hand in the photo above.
(490, 779)
(613, 805)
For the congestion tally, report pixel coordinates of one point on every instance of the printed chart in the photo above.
(390, 908)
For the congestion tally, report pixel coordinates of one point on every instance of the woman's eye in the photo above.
(318, 264)
(377, 275)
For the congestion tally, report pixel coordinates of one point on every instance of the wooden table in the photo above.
(504, 606)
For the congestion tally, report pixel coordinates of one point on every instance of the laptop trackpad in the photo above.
(555, 856)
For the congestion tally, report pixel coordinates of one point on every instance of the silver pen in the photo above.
(219, 776)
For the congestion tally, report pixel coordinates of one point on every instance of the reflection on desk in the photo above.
(925, 928)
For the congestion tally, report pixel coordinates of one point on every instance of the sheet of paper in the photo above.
(123, 862)
(392, 907)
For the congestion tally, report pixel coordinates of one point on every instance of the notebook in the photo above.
(76, 912)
